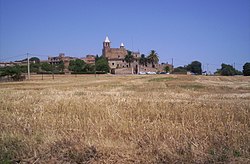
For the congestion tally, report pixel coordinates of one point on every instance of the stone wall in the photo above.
(115, 53)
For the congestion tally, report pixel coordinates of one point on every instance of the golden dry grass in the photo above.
(126, 119)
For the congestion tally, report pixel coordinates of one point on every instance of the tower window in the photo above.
(113, 63)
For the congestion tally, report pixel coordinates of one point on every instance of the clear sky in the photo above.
(210, 31)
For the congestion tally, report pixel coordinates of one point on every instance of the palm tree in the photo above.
(143, 60)
(129, 58)
(153, 58)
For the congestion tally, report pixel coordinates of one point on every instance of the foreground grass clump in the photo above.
(130, 119)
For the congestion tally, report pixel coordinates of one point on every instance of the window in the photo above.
(113, 63)
(118, 56)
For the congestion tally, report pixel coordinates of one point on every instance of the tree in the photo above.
(167, 69)
(195, 67)
(60, 66)
(129, 58)
(246, 69)
(97, 57)
(180, 70)
(34, 67)
(143, 60)
(36, 59)
(102, 65)
(46, 67)
(14, 72)
(153, 58)
(77, 65)
(89, 68)
(227, 70)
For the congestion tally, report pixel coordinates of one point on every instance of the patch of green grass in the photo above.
(192, 86)
(161, 79)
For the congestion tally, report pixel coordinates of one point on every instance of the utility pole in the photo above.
(28, 60)
(132, 69)
(138, 70)
(172, 64)
(207, 68)
(95, 67)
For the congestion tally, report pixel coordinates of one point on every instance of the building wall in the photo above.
(158, 68)
(114, 53)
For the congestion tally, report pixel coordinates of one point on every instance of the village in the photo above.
(118, 60)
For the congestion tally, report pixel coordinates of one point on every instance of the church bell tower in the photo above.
(106, 43)
(106, 46)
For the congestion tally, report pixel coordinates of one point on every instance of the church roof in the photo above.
(107, 40)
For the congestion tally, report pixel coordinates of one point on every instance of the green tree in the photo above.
(13, 71)
(34, 67)
(129, 58)
(35, 59)
(102, 65)
(143, 60)
(77, 65)
(181, 70)
(227, 70)
(195, 67)
(46, 67)
(89, 68)
(246, 69)
(167, 69)
(153, 58)
(97, 57)
(60, 66)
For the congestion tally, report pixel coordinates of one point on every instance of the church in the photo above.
(116, 58)
(118, 65)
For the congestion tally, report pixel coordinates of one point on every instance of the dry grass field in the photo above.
(125, 119)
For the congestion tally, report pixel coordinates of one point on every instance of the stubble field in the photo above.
(126, 119)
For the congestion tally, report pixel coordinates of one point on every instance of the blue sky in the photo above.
(210, 31)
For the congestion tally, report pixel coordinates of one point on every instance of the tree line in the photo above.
(100, 66)
(225, 70)
(75, 66)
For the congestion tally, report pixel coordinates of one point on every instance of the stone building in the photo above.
(116, 58)
(89, 59)
(61, 58)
